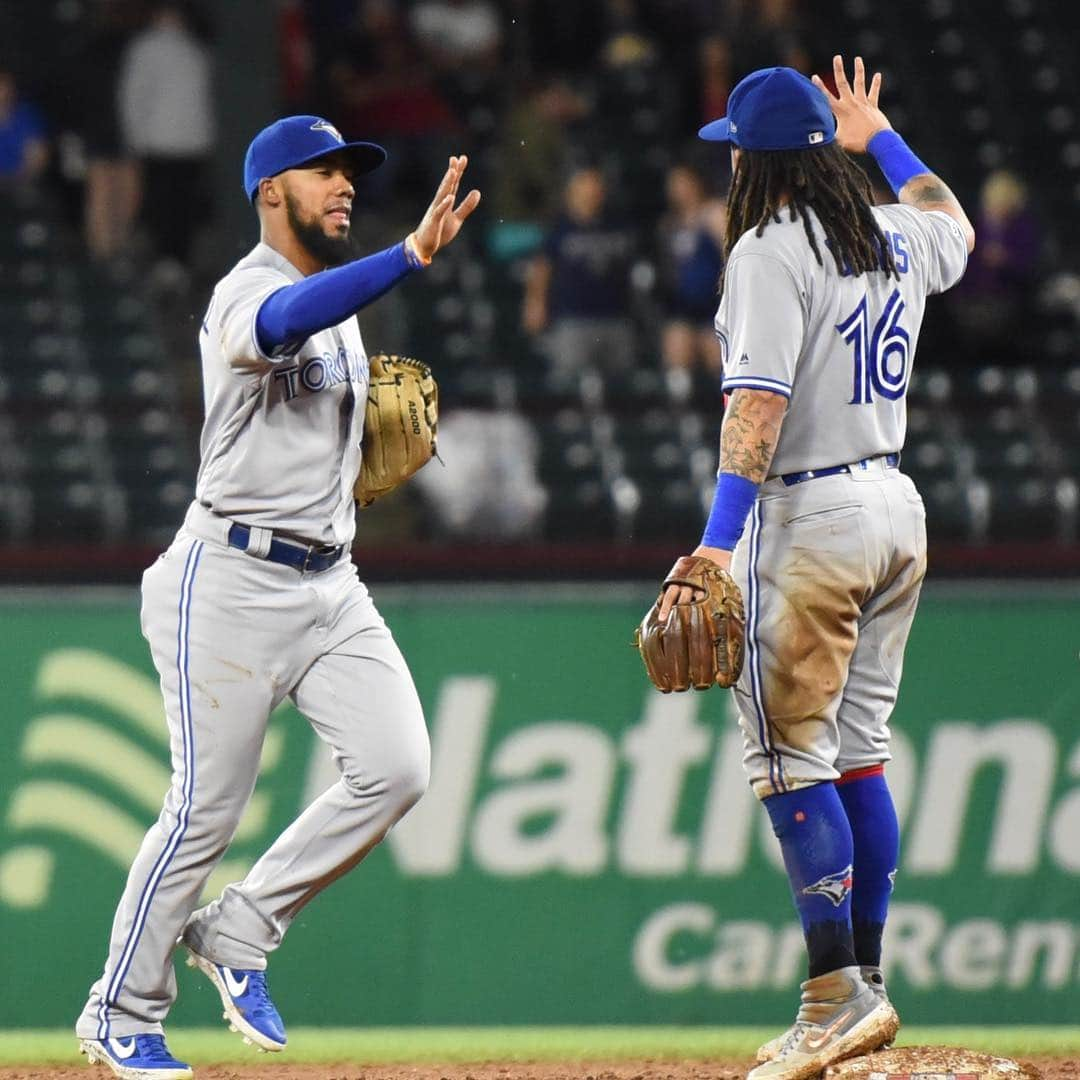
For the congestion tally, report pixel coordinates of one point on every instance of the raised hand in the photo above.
(858, 117)
(441, 223)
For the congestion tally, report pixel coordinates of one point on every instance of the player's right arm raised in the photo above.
(861, 127)
(294, 312)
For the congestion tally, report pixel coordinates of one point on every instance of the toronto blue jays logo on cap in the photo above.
(293, 141)
(834, 887)
(325, 125)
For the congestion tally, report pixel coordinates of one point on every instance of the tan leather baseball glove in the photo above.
(701, 644)
(400, 423)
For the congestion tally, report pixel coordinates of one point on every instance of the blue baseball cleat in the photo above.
(136, 1057)
(246, 998)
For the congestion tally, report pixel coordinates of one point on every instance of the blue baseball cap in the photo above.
(296, 140)
(774, 109)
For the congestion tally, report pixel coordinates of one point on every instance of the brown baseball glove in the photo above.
(701, 644)
(400, 422)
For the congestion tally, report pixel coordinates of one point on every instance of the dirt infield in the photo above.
(1051, 1068)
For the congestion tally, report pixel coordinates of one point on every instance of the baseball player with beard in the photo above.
(823, 297)
(257, 600)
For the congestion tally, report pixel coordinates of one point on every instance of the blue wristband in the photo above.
(895, 158)
(730, 509)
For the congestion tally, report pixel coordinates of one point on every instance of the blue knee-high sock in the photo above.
(876, 837)
(815, 838)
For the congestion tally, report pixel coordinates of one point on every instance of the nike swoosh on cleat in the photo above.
(236, 987)
(120, 1050)
(815, 1042)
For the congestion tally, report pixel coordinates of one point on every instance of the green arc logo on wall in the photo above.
(118, 745)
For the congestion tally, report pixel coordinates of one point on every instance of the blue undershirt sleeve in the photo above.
(289, 316)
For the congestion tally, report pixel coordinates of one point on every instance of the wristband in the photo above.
(412, 253)
(895, 158)
(730, 509)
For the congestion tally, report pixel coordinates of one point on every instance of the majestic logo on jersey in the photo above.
(834, 887)
(318, 373)
(325, 125)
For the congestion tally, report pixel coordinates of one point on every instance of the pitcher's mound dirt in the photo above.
(939, 1062)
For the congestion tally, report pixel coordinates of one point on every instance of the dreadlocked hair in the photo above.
(823, 178)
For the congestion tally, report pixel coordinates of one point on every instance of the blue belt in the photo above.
(304, 559)
(792, 478)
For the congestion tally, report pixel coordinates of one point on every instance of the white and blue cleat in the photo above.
(246, 999)
(136, 1057)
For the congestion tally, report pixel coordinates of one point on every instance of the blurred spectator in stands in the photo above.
(463, 41)
(296, 57)
(993, 303)
(628, 42)
(768, 32)
(166, 112)
(635, 97)
(533, 150)
(489, 488)
(384, 90)
(691, 244)
(458, 34)
(578, 288)
(112, 175)
(714, 64)
(24, 150)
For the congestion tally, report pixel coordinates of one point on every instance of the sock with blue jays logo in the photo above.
(876, 836)
(815, 837)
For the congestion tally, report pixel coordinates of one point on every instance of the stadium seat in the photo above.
(579, 510)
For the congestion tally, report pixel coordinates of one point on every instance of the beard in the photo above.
(329, 250)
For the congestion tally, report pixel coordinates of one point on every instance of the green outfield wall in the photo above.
(588, 850)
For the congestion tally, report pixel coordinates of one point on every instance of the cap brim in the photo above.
(366, 156)
(716, 131)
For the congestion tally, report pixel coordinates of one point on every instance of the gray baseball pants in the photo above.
(231, 635)
(830, 570)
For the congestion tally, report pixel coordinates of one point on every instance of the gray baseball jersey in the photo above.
(281, 441)
(830, 566)
(839, 346)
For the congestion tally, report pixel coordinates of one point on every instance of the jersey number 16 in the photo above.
(881, 352)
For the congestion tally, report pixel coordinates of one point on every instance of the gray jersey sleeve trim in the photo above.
(758, 382)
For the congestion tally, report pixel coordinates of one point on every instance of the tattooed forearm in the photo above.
(750, 433)
(926, 190)
(929, 192)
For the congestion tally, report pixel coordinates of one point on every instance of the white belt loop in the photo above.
(259, 542)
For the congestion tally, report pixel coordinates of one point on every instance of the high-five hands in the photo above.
(442, 222)
(858, 117)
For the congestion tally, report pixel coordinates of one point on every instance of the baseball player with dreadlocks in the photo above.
(822, 300)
